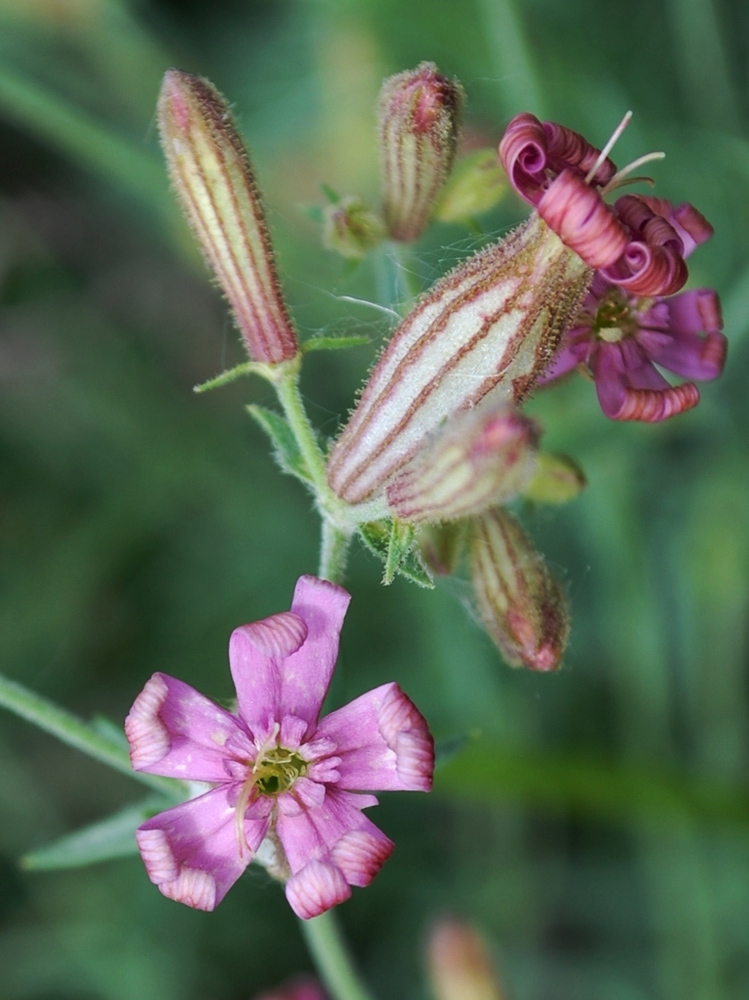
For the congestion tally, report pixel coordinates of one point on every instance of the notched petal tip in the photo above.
(146, 733)
(193, 888)
(360, 855)
(278, 635)
(405, 731)
(186, 885)
(316, 888)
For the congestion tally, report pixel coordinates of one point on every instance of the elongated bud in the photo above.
(490, 325)
(460, 965)
(475, 185)
(557, 479)
(351, 228)
(419, 117)
(480, 458)
(211, 173)
(522, 606)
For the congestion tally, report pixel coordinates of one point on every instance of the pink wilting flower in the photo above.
(286, 785)
(620, 337)
(557, 171)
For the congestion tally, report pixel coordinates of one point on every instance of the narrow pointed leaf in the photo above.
(285, 447)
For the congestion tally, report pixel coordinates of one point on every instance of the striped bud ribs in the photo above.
(488, 327)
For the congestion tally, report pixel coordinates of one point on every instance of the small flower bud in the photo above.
(480, 458)
(476, 184)
(489, 326)
(351, 228)
(521, 605)
(419, 116)
(557, 479)
(211, 173)
(460, 965)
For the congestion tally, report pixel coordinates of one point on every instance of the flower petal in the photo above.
(682, 349)
(582, 220)
(630, 388)
(176, 731)
(383, 742)
(191, 851)
(314, 833)
(315, 889)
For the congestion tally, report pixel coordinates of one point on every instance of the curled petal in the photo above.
(630, 388)
(176, 731)
(582, 220)
(279, 635)
(677, 342)
(648, 270)
(383, 742)
(191, 851)
(360, 855)
(316, 888)
(691, 226)
(567, 148)
(522, 151)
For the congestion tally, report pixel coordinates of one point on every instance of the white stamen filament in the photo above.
(616, 180)
(609, 146)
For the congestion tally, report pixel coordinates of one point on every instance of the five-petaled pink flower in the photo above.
(620, 337)
(280, 775)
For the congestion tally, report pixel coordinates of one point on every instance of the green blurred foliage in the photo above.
(597, 827)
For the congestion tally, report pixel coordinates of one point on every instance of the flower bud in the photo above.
(351, 228)
(476, 184)
(521, 605)
(557, 479)
(442, 546)
(419, 116)
(480, 458)
(489, 326)
(460, 965)
(211, 173)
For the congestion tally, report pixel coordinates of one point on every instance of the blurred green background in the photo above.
(598, 827)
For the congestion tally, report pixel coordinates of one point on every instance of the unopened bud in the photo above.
(460, 965)
(489, 326)
(351, 228)
(478, 459)
(419, 115)
(522, 606)
(211, 173)
(475, 185)
(557, 479)
(442, 546)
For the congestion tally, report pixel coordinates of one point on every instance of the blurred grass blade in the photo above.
(110, 838)
(76, 733)
(516, 74)
(488, 772)
(85, 141)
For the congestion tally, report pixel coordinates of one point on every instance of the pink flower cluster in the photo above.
(280, 776)
(638, 247)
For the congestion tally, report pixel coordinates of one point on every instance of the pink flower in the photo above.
(621, 336)
(281, 777)
(565, 178)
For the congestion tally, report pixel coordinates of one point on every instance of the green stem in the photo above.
(74, 731)
(332, 959)
(290, 399)
(333, 552)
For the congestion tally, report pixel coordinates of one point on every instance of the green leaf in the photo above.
(393, 542)
(113, 837)
(332, 196)
(333, 343)
(285, 446)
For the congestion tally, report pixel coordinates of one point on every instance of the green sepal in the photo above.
(285, 447)
(231, 375)
(333, 343)
(110, 838)
(393, 542)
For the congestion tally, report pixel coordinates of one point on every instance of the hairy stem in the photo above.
(333, 553)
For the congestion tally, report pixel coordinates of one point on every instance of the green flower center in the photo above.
(277, 771)
(614, 320)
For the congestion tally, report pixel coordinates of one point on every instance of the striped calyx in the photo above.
(211, 173)
(419, 119)
(489, 326)
(522, 606)
(481, 458)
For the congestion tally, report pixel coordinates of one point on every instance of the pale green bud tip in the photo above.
(419, 116)
(476, 184)
(212, 175)
(522, 606)
(460, 964)
(351, 228)
(558, 479)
